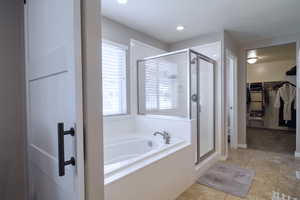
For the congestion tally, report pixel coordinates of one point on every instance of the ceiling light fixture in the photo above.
(180, 28)
(122, 1)
(252, 60)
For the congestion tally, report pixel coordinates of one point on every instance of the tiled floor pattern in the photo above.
(274, 172)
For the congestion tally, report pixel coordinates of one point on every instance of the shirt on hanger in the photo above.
(288, 94)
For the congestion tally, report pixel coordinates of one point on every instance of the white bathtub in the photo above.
(130, 153)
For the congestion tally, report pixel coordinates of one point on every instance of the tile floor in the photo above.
(274, 172)
(271, 140)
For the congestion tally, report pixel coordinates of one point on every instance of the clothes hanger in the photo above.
(282, 83)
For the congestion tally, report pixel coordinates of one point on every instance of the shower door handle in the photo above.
(194, 98)
(199, 107)
(61, 148)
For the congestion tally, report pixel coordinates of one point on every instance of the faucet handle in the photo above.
(165, 132)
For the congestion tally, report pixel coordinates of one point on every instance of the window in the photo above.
(160, 85)
(114, 78)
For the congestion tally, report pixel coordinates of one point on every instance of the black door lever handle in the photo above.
(61, 148)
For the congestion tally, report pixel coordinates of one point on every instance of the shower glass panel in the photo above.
(206, 107)
(162, 85)
(181, 84)
(203, 104)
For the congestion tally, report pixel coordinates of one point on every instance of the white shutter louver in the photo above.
(160, 85)
(114, 79)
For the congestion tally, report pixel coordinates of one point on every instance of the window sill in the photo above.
(165, 117)
(118, 117)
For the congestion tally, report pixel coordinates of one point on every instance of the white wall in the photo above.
(270, 71)
(119, 33)
(12, 124)
(197, 41)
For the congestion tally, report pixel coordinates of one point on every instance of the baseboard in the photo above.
(243, 146)
(297, 154)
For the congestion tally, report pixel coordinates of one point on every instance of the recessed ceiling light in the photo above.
(122, 1)
(252, 60)
(180, 28)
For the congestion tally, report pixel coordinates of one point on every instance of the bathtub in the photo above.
(130, 153)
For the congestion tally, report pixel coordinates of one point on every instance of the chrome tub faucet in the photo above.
(166, 136)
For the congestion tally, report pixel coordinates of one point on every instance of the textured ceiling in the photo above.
(245, 20)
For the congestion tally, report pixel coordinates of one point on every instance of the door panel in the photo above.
(202, 86)
(53, 96)
(47, 109)
(230, 122)
(51, 36)
(206, 107)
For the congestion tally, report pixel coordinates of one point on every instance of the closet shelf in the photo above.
(256, 118)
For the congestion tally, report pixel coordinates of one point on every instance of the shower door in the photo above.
(203, 105)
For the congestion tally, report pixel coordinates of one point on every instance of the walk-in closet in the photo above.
(271, 96)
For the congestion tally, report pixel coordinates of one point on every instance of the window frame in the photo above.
(126, 90)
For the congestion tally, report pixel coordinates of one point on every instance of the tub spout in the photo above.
(165, 135)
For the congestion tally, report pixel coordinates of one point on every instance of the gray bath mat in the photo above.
(228, 178)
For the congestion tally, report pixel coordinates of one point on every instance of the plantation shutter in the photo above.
(114, 78)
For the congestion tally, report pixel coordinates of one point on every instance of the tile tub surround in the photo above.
(151, 182)
(274, 172)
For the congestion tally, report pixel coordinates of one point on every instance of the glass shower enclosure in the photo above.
(181, 84)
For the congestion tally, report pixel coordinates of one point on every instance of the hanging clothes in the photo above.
(283, 123)
(248, 96)
(288, 94)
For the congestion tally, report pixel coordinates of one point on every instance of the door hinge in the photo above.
(84, 142)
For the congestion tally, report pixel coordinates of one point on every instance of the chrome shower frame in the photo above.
(189, 53)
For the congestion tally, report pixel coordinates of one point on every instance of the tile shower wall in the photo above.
(116, 127)
(176, 127)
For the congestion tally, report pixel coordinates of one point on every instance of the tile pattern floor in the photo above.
(271, 140)
(274, 172)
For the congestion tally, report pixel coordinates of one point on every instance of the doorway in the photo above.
(271, 95)
(231, 99)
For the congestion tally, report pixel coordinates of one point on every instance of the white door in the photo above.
(206, 107)
(54, 95)
(231, 63)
